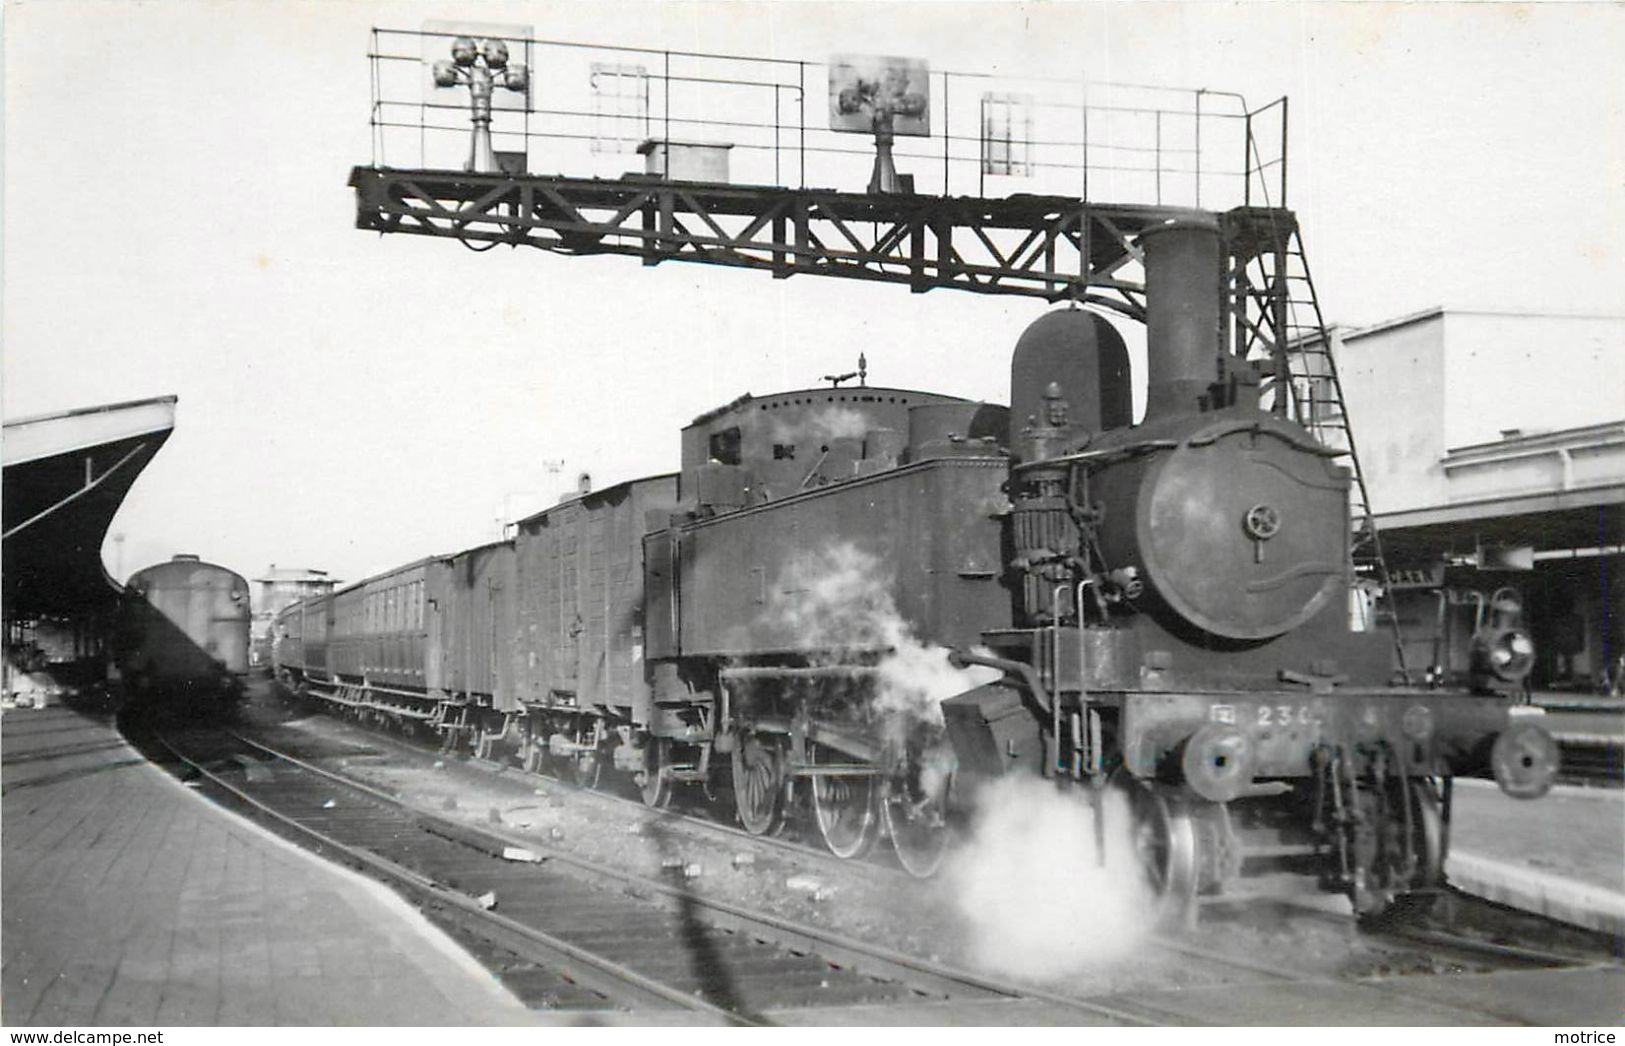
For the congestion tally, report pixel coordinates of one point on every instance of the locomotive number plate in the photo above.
(1284, 715)
(1265, 715)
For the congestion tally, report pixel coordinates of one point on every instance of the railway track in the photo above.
(878, 867)
(570, 948)
(1409, 946)
(567, 933)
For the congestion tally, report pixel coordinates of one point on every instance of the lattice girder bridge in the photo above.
(1052, 247)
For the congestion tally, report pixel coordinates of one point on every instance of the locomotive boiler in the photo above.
(860, 606)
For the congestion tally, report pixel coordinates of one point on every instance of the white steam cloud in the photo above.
(828, 423)
(1031, 888)
(839, 601)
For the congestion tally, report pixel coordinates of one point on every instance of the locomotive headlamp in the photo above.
(1507, 654)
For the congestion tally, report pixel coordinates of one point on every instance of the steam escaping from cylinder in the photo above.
(1035, 897)
(838, 601)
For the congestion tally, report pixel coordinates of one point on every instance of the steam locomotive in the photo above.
(862, 605)
(182, 635)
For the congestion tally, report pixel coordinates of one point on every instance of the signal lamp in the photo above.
(482, 67)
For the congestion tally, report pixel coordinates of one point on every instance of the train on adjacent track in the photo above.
(182, 635)
(862, 605)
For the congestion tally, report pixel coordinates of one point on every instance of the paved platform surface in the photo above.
(130, 900)
(1562, 855)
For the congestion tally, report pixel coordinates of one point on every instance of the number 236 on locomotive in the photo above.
(1172, 622)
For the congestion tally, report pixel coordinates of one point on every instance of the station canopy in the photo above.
(66, 474)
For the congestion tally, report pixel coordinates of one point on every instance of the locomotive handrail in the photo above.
(1217, 431)
(1085, 456)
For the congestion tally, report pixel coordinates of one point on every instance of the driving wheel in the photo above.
(758, 779)
(844, 807)
(917, 821)
(654, 783)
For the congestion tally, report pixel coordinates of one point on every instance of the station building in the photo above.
(276, 589)
(1493, 448)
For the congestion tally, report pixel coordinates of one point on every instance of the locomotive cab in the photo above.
(759, 449)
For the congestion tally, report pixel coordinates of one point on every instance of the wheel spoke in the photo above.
(918, 827)
(756, 785)
(844, 808)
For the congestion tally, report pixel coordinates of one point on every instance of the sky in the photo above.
(177, 221)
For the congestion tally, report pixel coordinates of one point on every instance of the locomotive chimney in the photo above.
(1182, 289)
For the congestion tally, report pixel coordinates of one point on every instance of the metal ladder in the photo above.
(1306, 387)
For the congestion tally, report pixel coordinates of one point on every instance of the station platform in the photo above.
(131, 900)
(1561, 856)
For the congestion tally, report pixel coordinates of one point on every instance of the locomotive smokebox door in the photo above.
(993, 732)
